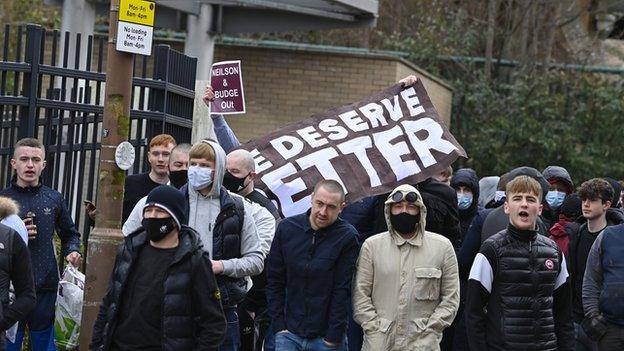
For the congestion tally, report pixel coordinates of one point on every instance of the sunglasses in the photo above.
(409, 197)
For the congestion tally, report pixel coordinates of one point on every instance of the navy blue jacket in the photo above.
(361, 215)
(612, 263)
(51, 215)
(309, 277)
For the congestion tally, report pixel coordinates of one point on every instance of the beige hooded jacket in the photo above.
(406, 292)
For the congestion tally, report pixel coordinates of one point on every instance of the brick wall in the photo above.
(286, 85)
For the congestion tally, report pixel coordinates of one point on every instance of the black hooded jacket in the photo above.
(468, 178)
(192, 316)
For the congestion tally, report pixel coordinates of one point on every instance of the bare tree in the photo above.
(489, 36)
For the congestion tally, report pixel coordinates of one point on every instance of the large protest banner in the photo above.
(390, 138)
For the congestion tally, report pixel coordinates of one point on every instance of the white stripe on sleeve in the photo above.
(481, 271)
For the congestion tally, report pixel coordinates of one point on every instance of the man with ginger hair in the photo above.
(138, 186)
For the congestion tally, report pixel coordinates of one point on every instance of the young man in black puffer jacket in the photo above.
(163, 294)
(518, 289)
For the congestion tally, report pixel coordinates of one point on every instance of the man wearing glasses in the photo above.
(138, 186)
(406, 289)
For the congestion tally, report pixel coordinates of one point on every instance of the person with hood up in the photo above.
(487, 191)
(226, 226)
(466, 183)
(411, 266)
(560, 185)
(567, 225)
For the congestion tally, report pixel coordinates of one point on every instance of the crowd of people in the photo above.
(520, 261)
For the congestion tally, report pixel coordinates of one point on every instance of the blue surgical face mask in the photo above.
(498, 195)
(464, 201)
(199, 177)
(555, 199)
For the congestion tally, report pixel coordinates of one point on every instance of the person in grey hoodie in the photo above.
(226, 228)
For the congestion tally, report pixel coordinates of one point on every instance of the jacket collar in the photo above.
(398, 240)
(28, 189)
(321, 231)
(187, 243)
(522, 235)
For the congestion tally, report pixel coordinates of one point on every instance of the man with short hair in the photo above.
(45, 213)
(178, 168)
(411, 266)
(239, 179)
(137, 186)
(596, 196)
(309, 273)
(163, 294)
(227, 229)
(178, 165)
(518, 292)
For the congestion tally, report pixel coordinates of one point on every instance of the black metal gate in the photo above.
(43, 98)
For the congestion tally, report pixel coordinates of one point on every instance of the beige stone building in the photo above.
(286, 82)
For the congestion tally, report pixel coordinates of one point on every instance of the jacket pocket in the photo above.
(384, 325)
(427, 286)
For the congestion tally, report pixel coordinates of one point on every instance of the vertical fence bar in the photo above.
(30, 84)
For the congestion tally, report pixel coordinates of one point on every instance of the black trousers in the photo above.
(613, 339)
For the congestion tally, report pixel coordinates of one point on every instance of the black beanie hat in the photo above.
(169, 199)
(571, 206)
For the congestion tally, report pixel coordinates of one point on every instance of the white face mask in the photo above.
(199, 177)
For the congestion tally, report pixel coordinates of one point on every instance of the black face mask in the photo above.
(232, 183)
(404, 222)
(178, 178)
(158, 228)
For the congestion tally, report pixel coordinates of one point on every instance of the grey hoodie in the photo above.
(203, 211)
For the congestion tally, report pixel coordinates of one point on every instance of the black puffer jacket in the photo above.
(193, 318)
(528, 302)
(467, 177)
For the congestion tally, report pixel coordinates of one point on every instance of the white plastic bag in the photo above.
(69, 308)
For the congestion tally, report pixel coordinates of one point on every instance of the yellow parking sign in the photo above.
(137, 11)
